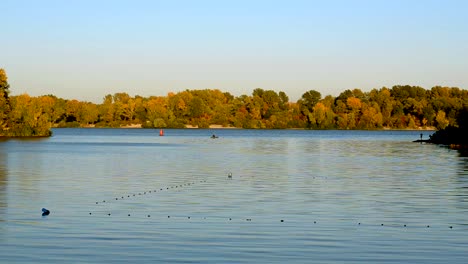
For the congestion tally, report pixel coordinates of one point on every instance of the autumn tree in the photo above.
(384, 102)
(28, 117)
(371, 118)
(322, 117)
(21, 116)
(5, 107)
(124, 108)
(402, 106)
(222, 108)
(156, 112)
(107, 112)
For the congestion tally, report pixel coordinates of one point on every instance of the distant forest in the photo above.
(398, 107)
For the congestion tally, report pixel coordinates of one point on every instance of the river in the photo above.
(297, 196)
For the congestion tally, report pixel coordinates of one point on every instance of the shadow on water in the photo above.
(463, 164)
(462, 179)
(463, 153)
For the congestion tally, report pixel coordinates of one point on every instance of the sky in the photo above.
(86, 49)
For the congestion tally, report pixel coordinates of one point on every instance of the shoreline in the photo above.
(139, 126)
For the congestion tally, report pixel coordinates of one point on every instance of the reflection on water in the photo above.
(295, 196)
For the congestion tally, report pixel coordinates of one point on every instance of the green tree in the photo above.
(384, 102)
(308, 100)
(197, 107)
(307, 103)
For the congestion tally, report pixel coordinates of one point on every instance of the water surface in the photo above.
(295, 196)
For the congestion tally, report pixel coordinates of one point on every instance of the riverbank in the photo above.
(230, 127)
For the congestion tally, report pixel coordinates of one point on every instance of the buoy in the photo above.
(45, 211)
(161, 133)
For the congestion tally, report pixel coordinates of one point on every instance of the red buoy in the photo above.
(161, 132)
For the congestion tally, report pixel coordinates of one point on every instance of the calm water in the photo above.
(294, 196)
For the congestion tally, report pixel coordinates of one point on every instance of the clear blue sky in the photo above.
(80, 49)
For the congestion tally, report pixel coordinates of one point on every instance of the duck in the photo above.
(45, 212)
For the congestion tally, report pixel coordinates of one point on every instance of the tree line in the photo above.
(398, 107)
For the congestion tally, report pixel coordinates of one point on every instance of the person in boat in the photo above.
(214, 136)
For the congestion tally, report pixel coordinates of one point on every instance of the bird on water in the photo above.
(45, 212)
